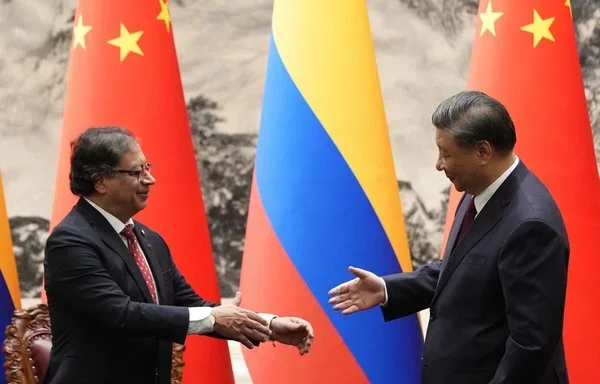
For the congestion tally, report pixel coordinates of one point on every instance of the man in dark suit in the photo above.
(116, 299)
(497, 299)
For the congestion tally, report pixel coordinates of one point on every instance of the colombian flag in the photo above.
(325, 196)
(10, 296)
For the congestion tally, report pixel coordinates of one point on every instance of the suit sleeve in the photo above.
(533, 274)
(410, 292)
(75, 276)
(185, 296)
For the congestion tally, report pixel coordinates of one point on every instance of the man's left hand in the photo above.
(293, 331)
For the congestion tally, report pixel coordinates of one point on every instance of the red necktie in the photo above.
(138, 256)
(467, 220)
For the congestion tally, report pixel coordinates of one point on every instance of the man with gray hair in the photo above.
(117, 301)
(497, 299)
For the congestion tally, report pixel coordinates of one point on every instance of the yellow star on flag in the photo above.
(568, 4)
(488, 19)
(540, 28)
(127, 42)
(79, 32)
(164, 15)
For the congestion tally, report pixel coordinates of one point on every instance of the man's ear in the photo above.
(484, 151)
(99, 183)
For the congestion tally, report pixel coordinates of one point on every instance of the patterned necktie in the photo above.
(467, 220)
(138, 256)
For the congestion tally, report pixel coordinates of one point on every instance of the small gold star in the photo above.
(488, 20)
(540, 28)
(127, 42)
(568, 4)
(164, 15)
(79, 32)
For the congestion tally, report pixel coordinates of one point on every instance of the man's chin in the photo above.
(458, 187)
(141, 204)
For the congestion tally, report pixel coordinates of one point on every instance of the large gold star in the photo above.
(79, 32)
(127, 42)
(488, 20)
(164, 15)
(568, 4)
(540, 28)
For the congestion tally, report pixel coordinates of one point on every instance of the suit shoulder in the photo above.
(533, 202)
(72, 226)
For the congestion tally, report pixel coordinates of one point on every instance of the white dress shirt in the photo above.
(200, 319)
(485, 196)
(480, 201)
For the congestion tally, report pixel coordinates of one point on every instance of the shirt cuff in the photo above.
(267, 316)
(200, 320)
(385, 302)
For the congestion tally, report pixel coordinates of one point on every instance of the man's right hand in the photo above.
(236, 323)
(363, 292)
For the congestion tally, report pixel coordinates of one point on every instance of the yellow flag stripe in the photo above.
(327, 48)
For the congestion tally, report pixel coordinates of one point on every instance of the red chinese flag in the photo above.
(525, 55)
(123, 71)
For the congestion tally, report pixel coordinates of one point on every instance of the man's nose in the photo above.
(148, 178)
(438, 164)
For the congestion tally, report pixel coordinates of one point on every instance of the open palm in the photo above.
(363, 292)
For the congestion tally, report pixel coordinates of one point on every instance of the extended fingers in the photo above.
(257, 318)
(257, 331)
(244, 340)
(340, 298)
(344, 305)
(255, 334)
(340, 289)
(258, 327)
(350, 310)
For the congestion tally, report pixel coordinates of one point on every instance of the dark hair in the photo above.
(97, 151)
(472, 116)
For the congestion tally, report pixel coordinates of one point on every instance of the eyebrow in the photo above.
(137, 165)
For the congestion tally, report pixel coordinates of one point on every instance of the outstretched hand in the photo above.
(293, 331)
(363, 292)
(236, 323)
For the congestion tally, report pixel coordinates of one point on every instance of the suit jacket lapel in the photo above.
(484, 222)
(455, 228)
(152, 261)
(113, 241)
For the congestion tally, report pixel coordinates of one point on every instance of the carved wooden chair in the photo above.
(27, 348)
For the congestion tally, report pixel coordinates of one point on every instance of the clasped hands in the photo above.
(249, 328)
(365, 291)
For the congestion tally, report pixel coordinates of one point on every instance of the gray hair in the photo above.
(97, 151)
(473, 116)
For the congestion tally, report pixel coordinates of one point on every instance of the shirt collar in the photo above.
(482, 199)
(117, 224)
